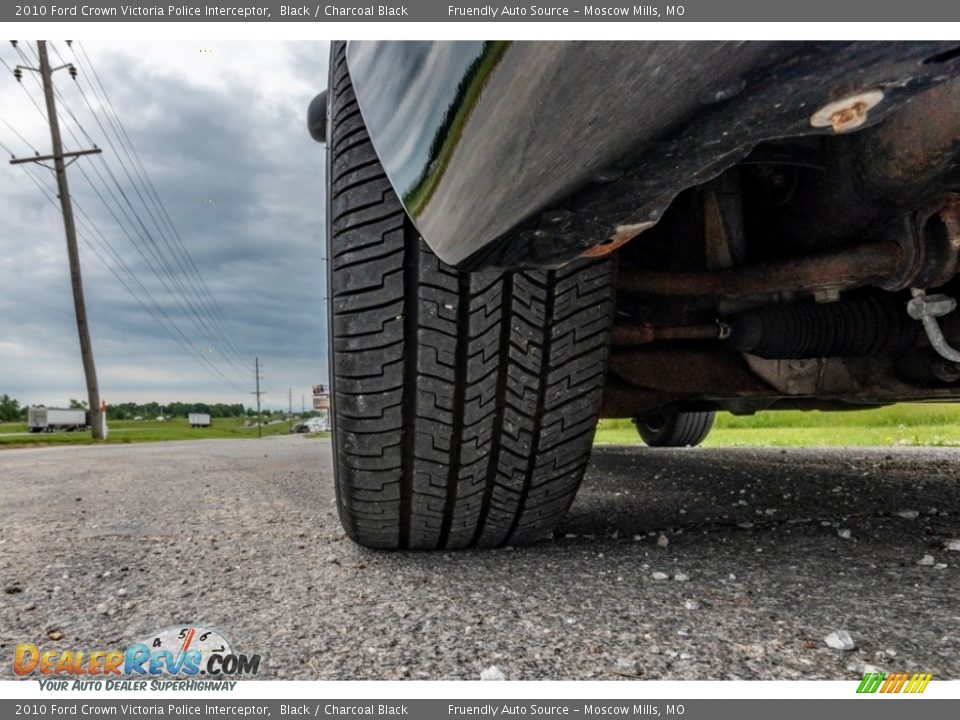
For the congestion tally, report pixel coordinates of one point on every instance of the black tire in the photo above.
(464, 404)
(675, 429)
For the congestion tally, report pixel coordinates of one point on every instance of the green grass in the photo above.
(130, 431)
(936, 425)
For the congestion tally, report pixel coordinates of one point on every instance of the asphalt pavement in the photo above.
(672, 564)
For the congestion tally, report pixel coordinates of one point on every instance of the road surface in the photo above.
(672, 564)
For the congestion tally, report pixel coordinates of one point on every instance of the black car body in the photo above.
(521, 154)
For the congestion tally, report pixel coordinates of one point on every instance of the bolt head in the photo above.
(848, 113)
(930, 306)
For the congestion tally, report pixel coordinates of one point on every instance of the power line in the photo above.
(199, 315)
(14, 73)
(195, 355)
(201, 308)
(202, 319)
(15, 132)
(152, 247)
(139, 250)
(115, 254)
(183, 257)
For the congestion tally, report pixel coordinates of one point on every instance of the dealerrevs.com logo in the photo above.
(182, 656)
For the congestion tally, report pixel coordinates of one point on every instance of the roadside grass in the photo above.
(921, 425)
(927, 425)
(130, 431)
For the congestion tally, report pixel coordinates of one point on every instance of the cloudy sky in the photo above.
(220, 130)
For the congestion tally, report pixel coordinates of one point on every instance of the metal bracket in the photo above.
(926, 309)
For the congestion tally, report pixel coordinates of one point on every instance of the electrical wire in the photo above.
(206, 314)
(183, 258)
(201, 315)
(87, 225)
(20, 83)
(15, 132)
(196, 355)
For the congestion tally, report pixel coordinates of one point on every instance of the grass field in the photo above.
(935, 425)
(129, 431)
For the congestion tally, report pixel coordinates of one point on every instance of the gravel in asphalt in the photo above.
(672, 564)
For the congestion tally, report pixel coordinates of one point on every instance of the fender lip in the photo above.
(537, 152)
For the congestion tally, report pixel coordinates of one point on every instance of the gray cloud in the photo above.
(227, 150)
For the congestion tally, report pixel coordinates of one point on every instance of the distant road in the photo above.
(763, 554)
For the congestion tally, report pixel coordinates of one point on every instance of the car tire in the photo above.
(675, 429)
(464, 404)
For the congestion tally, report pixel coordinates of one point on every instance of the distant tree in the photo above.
(10, 409)
(130, 410)
(78, 404)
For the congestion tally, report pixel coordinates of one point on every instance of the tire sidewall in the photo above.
(328, 244)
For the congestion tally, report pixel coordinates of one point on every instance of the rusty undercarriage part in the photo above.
(837, 270)
(687, 371)
(625, 335)
(865, 325)
(938, 253)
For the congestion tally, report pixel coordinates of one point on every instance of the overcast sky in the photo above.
(221, 131)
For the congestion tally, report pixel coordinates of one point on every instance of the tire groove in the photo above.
(459, 393)
(506, 295)
(544, 374)
(411, 294)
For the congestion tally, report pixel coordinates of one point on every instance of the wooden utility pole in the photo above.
(256, 373)
(83, 329)
(290, 408)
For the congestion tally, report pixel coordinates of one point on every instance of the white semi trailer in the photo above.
(200, 420)
(43, 419)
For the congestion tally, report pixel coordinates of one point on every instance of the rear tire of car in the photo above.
(675, 429)
(464, 404)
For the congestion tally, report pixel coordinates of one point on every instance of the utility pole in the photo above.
(303, 405)
(83, 329)
(290, 408)
(257, 374)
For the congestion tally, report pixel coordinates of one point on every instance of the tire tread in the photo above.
(464, 403)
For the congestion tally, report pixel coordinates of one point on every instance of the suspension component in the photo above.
(859, 326)
(836, 270)
(630, 335)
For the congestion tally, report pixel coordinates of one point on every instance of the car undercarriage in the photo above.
(817, 273)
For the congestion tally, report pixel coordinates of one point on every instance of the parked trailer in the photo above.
(42, 419)
(200, 420)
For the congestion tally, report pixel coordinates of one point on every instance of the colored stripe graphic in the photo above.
(918, 683)
(870, 683)
(894, 682)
